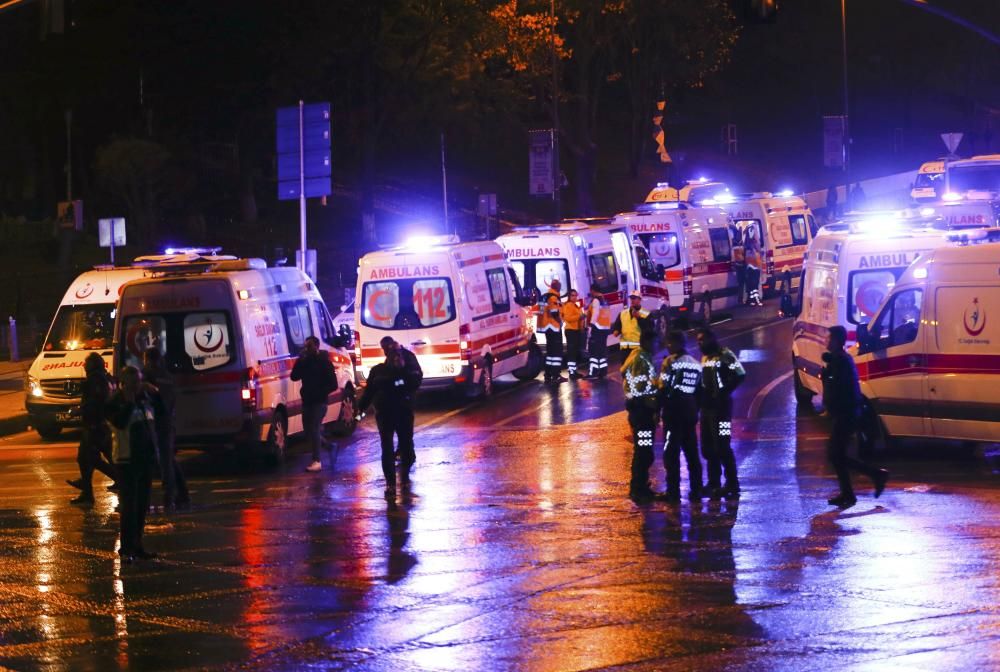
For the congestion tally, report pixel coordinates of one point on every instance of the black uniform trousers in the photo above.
(597, 347)
(94, 454)
(642, 413)
(135, 486)
(844, 428)
(553, 354)
(574, 341)
(716, 446)
(680, 425)
(398, 422)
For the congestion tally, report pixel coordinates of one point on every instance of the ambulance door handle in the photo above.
(418, 343)
(934, 390)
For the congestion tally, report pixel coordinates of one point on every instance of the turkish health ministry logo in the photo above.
(975, 318)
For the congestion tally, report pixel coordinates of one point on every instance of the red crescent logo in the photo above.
(379, 317)
(209, 333)
(85, 291)
(977, 313)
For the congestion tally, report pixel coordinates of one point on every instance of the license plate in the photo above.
(64, 417)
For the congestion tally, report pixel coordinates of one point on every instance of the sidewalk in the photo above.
(13, 417)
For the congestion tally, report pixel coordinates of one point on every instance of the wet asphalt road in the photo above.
(516, 551)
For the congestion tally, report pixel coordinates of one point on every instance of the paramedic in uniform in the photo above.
(550, 324)
(599, 319)
(391, 387)
(680, 376)
(630, 324)
(721, 373)
(573, 317)
(842, 399)
(639, 382)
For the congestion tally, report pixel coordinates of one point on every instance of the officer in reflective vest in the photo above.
(599, 318)
(680, 376)
(721, 373)
(639, 382)
(572, 317)
(550, 324)
(631, 323)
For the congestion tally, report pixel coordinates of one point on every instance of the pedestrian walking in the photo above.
(858, 198)
(680, 377)
(599, 319)
(639, 382)
(391, 387)
(155, 373)
(831, 202)
(573, 321)
(786, 307)
(131, 412)
(94, 451)
(631, 323)
(550, 323)
(315, 370)
(842, 399)
(721, 374)
(754, 262)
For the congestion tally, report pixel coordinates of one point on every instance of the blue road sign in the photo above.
(316, 141)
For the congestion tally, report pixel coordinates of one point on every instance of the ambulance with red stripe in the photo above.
(457, 306)
(230, 331)
(683, 253)
(929, 360)
(848, 271)
(783, 223)
(575, 254)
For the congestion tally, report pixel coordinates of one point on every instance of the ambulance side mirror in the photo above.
(523, 300)
(864, 341)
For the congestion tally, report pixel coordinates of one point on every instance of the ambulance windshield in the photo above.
(407, 304)
(81, 328)
(974, 178)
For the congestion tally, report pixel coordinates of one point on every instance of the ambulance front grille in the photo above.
(62, 389)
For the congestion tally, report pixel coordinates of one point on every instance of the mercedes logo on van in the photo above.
(975, 318)
(72, 387)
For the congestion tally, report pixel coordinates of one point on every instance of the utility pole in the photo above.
(847, 122)
(444, 185)
(556, 172)
(69, 155)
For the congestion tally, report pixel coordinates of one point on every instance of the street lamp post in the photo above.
(556, 173)
(847, 123)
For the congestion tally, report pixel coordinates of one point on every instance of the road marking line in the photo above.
(758, 400)
(475, 404)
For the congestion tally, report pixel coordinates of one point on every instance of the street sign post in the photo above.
(951, 141)
(111, 233)
(834, 146)
(304, 169)
(541, 166)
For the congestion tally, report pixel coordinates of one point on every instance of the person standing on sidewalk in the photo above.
(842, 399)
(131, 412)
(573, 319)
(94, 451)
(550, 324)
(639, 382)
(315, 370)
(390, 388)
(599, 319)
(721, 374)
(154, 372)
(680, 376)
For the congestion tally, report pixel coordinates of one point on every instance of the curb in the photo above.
(14, 424)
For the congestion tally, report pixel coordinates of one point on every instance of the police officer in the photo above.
(550, 324)
(680, 376)
(639, 382)
(391, 387)
(599, 319)
(630, 324)
(721, 373)
(573, 319)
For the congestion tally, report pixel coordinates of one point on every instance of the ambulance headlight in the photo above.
(34, 388)
(951, 197)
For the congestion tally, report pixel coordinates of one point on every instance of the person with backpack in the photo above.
(315, 370)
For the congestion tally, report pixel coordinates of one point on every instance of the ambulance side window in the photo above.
(325, 322)
(498, 290)
(298, 326)
(813, 229)
(798, 225)
(899, 322)
(604, 272)
(721, 249)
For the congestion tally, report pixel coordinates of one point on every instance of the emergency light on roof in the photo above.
(425, 243)
(785, 193)
(201, 251)
(661, 205)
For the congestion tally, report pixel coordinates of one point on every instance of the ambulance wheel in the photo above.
(484, 388)
(533, 366)
(277, 438)
(49, 431)
(346, 420)
(803, 394)
(872, 437)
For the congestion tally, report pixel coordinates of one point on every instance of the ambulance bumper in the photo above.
(63, 413)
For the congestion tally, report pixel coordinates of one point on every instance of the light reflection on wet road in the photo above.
(517, 551)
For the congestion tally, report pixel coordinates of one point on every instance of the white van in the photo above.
(928, 361)
(784, 225)
(682, 252)
(848, 271)
(83, 324)
(230, 331)
(929, 182)
(575, 254)
(457, 306)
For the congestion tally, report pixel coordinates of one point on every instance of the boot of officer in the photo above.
(680, 376)
(639, 382)
(599, 319)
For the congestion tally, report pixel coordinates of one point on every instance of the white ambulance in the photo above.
(847, 273)
(83, 324)
(457, 306)
(929, 182)
(573, 253)
(929, 360)
(977, 177)
(682, 253)
(230, 331)
(957, 212)
(783, 223)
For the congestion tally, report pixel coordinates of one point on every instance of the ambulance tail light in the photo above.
(463, 345)
(248, 391)
(357, 349)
